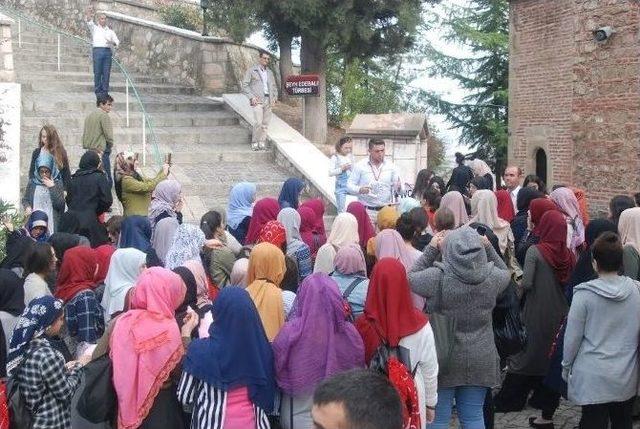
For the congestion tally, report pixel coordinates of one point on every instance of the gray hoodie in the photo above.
(600, 360)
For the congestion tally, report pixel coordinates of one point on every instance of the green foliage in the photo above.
(7, 211)
(238, 19)
(483, 28)
(183, 16)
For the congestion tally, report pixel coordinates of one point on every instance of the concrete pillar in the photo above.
(7, 71)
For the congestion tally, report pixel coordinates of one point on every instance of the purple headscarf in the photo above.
(302, 360)
(163, 199)
(350, 260)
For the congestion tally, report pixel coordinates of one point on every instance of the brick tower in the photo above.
(574, 101)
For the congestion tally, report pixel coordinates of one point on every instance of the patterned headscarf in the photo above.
(273, 232)
(163, 199)
(45, 159)
(35, 319)
(187, 244)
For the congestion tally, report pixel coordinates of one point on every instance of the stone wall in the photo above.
(575, 98)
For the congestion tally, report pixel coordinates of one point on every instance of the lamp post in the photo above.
(204, 4)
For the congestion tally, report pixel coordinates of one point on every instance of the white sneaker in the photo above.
(262, 146)
(255, 147)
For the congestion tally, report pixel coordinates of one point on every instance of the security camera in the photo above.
(603, 33)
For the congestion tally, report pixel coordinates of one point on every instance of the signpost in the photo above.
(303, 85)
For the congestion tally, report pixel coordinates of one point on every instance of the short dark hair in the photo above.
(368, 398)
(39, 259)
(607, 252)
(444, 219)
(432, 197)
(618, 204)
(261, 53)
(375, 142)
(344, 140)
(636, 198)
(404, 226)
(103, 99)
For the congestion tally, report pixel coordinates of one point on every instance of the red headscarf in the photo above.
(365, 227)
(307, 223)
(77, 272)
(537, 208)
(317, 205)
(265, 210)
(103, 257)
(388, 310)
(553, 244)
(505, 205)
(273, 232)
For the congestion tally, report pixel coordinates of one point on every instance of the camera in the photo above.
(603, 33)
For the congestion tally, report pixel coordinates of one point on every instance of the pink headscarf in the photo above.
(365, 227)
(454, 201)
(566, 200)
(350, 260)
(146, 344)
(197, 269)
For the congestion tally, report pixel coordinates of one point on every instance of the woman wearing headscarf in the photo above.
(537, 208)
(265, 209)
(83, 314)
(162, 237)
(547, 270)
(187, 244)
(350, 274)
(299, 367)
(617, 205)
(290, 193)
(567, 202)
(366, 230)
(467, 282)
(228, 378)
(240, 209)
(583, 204)
(36, 228)
(505, 205)
(166, 201)
(132, 188)
(344, 231)
(307, 225)
(484, 208)
(11, 306)
(202, 302)
(239, 273)
(317, 205)
(390, 318)
(46, 383)
(520, 221)
(629, 230)
(45, 190)
(387, 219)
(39, 264)
(455, 202)
(265, 273)
(49, 143)
(146, 348)
(406, 204)
(481, 169)
(135, 231)
(126, 266)
(103, 259)
(296, 248)
(89, 190)
(17, 247)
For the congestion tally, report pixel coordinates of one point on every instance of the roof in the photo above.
(390, 124)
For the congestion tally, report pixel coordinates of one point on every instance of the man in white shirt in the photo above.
(259, 85)
(512, 177)
(103, 40)
(374, 180)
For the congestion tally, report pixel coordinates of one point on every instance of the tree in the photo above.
(483, 28)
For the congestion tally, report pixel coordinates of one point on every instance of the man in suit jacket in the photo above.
(259, 85)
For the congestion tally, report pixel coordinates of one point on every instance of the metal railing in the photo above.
(147, 131)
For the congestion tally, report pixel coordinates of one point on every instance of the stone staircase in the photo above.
(210, 144)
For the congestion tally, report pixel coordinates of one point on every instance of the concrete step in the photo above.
(34, 35)
(118, 86)
(66, 76)
(159, 119)
(24, 58)
(45, 48)
(52, 65)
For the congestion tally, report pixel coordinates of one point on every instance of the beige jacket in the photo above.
(252, 85)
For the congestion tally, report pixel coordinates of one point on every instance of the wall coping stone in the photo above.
(5, 20)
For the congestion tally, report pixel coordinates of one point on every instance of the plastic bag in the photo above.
(509, 332)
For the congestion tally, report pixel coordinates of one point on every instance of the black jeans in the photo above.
(598, 416)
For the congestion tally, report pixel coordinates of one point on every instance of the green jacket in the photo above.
(98, 131)
(136, 194)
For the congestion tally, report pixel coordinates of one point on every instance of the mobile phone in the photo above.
(167, 158)
(481, 230)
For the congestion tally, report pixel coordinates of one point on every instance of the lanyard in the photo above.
(373, 171)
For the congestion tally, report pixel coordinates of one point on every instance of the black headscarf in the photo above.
(11, 293)
(18, 247)
(63, 241)
(89, 161)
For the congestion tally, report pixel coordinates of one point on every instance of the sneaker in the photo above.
(262, 147)
(255, 147)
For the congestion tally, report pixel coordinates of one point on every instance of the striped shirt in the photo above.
(208, 404)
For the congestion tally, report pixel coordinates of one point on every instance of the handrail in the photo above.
(147, 123)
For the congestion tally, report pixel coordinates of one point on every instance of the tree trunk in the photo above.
(313, 56)
(286, 65)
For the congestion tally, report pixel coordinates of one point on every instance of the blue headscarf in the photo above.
(135, 231)
(45, 159)
(38, 316)
(240, 203)
(237, 352)
(38, 216)
(290, 193)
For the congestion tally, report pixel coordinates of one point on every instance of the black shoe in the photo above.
(533, 424)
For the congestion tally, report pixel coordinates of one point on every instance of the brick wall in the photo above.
(577, 99)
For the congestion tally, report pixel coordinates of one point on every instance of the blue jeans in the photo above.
(341, 198)
(101, 70)
(469, 402)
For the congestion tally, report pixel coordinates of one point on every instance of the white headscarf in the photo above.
(484, 209)
(122, 275)
(186, 245)
(344, 231)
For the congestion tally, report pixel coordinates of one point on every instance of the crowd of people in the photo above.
(261, 317)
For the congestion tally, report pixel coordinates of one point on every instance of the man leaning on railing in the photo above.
(103, 40)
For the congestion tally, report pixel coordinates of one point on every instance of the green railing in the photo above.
(147, 132)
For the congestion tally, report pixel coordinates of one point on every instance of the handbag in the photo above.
(509, 331)
(98, 401)
(444, 331)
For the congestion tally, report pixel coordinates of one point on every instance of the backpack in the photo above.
(345, 297)
(395, 364)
